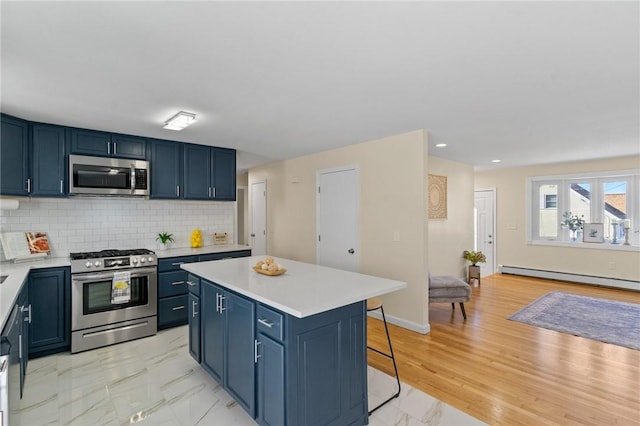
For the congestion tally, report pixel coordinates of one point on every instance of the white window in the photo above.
(608, 198)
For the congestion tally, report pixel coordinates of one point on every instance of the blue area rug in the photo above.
(605, 320)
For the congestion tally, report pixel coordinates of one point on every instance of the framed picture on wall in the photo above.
(437, 197)
(593, 233)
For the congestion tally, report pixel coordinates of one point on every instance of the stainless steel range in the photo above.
(114, 297)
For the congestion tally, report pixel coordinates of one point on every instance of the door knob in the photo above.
(351, 251)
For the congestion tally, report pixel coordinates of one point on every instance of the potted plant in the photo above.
(165, 238)
(474, 257)
(574, 223)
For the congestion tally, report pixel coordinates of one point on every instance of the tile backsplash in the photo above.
(90, 224)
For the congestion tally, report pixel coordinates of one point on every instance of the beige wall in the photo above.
(392, 173)
(511, 232)
(449, 237)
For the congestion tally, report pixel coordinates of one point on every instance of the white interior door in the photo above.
(484, 206)
(337, 206)
(258, 218)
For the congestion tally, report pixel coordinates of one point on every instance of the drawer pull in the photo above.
(177, 264)
(265, 322)
(177, 282)
(178, 308)
(191, 284)
(194, 308)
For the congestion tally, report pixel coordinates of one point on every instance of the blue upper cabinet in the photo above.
(103, 144)
(209, 173)
(14, 156)
(193, 172)
(48, 166)
(128, 146)
(166, 169)
(197, 172)
(223, 174)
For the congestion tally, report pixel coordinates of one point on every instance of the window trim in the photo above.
(596, 180)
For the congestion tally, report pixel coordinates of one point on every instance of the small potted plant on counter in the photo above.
(474, 257)
(165, 240)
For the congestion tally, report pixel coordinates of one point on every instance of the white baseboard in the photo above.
(575, 278)
(422, 329)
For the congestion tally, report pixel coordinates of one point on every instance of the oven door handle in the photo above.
(94, 277)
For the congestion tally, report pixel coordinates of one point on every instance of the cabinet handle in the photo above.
(61, 187)
(109, 148)
(266, 322)
(177, 190)
(194, 308)
(26, 309)
(177, 308)
(29, 186)
(214, 192)
(256, 355)
(209, 192)
(217, 302)
(191, 284)
(19, 346)
(222, 308)
(177, 264)
(115, 148)
(177, 282)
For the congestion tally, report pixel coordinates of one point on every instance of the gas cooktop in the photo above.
(109, 253)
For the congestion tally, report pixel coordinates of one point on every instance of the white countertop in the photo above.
(18, 272)
(304, 290)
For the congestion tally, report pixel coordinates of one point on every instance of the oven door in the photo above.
(91, 298)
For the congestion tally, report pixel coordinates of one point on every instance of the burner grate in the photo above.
(108, 253)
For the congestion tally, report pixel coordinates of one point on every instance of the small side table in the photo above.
(474, 273)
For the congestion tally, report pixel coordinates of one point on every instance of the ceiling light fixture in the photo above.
(180, 121)
(496, 161)
(441, 145)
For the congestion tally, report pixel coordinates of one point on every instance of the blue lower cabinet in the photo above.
(326, 367)
(172, 291)
(173, 281)
(194, 326)
(281, 369)
(212, 332)
(50, 300)
(270, 382)
(240, 353)
(172, 311)
(25, 317)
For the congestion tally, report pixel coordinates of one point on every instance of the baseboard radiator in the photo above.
(575, 278)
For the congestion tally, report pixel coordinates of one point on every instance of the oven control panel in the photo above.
(112, 263)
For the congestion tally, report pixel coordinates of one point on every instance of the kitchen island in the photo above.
(291, 349)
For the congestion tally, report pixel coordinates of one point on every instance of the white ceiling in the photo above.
(524, 82)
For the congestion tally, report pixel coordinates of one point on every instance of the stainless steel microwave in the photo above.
(108, 176)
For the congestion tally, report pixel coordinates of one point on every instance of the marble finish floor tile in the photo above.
(154, 381)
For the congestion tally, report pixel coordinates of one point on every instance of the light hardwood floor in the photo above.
(509, 373)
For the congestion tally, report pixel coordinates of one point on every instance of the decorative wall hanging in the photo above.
(437, 204)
